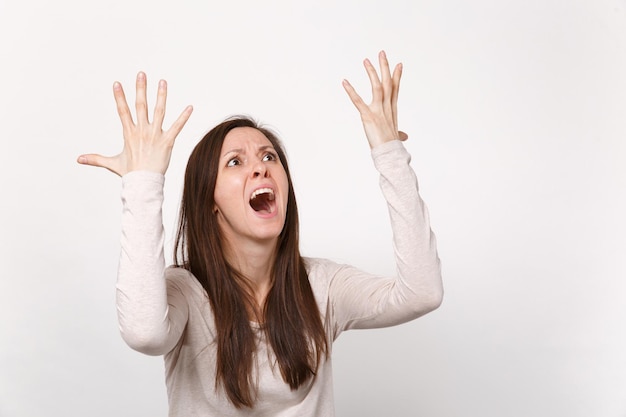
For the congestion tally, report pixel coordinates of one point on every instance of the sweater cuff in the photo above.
(389, 154)
(143, 176)
(386, 147)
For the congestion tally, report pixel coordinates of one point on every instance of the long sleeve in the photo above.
(150, 321)
(361, 300)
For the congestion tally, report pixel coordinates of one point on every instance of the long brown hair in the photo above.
(292, 320)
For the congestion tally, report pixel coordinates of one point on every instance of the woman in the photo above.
(245, 323)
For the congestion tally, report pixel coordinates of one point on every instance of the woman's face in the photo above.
(251, 189)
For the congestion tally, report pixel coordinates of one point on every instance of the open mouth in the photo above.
(262, 200)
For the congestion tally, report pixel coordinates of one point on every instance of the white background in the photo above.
(516, 112)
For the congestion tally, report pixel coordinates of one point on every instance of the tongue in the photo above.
(261, 203)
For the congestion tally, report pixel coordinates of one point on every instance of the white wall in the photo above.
(517, 117)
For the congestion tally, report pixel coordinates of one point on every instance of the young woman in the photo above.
(245, 323)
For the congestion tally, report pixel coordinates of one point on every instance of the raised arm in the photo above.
(151, 312)
(362, 300)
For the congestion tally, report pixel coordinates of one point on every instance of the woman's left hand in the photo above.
(380, 117)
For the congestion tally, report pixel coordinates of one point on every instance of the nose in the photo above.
(259, 170)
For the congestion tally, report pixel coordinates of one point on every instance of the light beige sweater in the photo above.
(165, 311)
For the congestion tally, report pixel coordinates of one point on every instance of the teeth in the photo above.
(260, 191)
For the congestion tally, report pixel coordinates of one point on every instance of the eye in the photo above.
(233, 162)
(270, 157)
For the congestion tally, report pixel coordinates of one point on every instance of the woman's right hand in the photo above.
(146, 146)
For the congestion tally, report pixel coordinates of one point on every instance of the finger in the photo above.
(141, 102)
(397, 74)
(377, 90)
(402, 136)
(98, 161)
(159, 108)
(178, 125)
(354, 97)
(385, 75)
(122, 107)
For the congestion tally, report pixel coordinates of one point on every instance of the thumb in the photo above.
(402, 136)
(99, 161)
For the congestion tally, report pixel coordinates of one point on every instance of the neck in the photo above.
(255, 261)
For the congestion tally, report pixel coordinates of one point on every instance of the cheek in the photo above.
(227, 192)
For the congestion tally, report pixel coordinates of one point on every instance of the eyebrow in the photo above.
(240, 150)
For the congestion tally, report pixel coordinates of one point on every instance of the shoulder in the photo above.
(175, 273)
(184, 287)
(183, 280)
(315, 266)
(322, 271)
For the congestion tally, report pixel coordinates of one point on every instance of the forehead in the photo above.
(241, 138)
